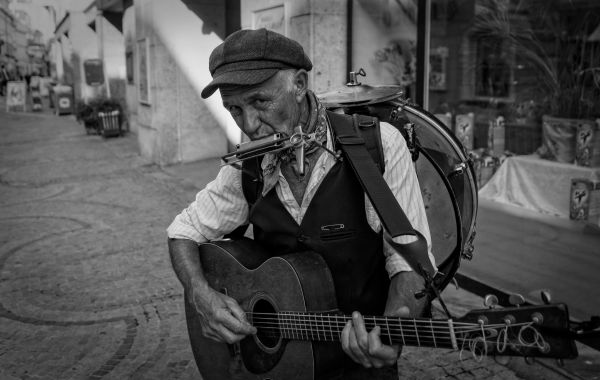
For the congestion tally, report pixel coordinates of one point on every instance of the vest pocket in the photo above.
(336, 235)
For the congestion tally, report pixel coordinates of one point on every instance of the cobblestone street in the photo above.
(86, 286)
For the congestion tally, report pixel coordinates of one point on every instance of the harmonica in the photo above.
(251, 149)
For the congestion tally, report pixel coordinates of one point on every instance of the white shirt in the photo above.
(221, 206)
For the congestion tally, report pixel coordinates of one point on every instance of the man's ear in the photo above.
(300, 84)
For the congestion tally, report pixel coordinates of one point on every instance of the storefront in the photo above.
(497, 73)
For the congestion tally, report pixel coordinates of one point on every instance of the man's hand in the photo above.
(366, 348)
(221, 317)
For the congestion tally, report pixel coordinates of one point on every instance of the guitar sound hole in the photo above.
(265, 321)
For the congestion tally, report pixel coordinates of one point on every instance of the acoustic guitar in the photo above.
(290, 299)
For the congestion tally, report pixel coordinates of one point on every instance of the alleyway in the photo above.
(86, 286)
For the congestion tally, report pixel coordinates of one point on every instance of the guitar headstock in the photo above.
(529, 331)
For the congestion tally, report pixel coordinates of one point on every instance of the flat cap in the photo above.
(249, 57)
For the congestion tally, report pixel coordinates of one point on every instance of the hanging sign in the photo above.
(94, 73)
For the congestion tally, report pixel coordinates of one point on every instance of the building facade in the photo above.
(155, 56)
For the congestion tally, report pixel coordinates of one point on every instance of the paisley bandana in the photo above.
(317, 122)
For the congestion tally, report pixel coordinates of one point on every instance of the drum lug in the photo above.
(467, 252)
(411, 141)
(459, 169)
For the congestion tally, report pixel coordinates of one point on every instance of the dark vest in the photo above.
(335, 226)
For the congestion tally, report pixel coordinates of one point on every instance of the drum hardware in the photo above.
(353, 79)
(467, 252)
(459, 169)
(411, 141)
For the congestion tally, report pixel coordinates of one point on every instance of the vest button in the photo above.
(302, 238)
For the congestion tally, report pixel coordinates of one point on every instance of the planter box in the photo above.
(110, 123)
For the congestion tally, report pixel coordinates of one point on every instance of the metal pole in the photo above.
(423, 40)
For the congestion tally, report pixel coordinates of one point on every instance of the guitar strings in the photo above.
(311, 318)
(477, 344)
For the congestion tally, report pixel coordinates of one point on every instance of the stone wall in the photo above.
(174, 124)
(320, 26)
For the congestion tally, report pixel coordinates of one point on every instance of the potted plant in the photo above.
(101, 116)
(86, 114)
(551, 42)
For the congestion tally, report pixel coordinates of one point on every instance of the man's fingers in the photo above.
(349, 344)
(233, 324)
(240, 315)
(360, 330)
(381, 354)
(365, 347)
(358, 355)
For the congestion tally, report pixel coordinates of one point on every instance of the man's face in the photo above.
(270, 107)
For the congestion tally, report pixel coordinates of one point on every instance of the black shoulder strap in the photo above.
(368, 128)
(346, 130)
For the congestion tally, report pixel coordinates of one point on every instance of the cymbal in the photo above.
(357, 95)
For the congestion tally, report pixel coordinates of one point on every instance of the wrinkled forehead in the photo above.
(272, 85)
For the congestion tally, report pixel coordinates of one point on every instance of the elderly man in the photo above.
(263, 81)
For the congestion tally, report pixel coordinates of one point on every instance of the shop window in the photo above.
(492, 69)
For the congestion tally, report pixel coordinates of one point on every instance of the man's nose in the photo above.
(251, 122)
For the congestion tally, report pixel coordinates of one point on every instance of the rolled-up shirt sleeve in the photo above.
(217, 210)
(401, 177)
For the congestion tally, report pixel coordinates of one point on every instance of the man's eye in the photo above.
(260, 103)
(234, 110)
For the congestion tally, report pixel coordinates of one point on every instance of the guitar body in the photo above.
(295, 282)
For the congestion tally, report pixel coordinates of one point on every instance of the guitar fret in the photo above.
(387, 325)
(294, 323)
(452, 335)
(416, 332)
(402, 333)
(317, 327)
(432, 333)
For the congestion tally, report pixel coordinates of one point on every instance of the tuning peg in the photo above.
(490, 301)
(546, 297)
(560, 363)
(516, 299)
(529, 360)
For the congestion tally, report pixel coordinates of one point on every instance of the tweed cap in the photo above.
(249, 57)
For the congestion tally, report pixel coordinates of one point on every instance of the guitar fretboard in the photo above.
(328, 327)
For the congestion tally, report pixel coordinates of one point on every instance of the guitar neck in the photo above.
(328, 327)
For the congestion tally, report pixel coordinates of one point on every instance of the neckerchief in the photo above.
(317, 122)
